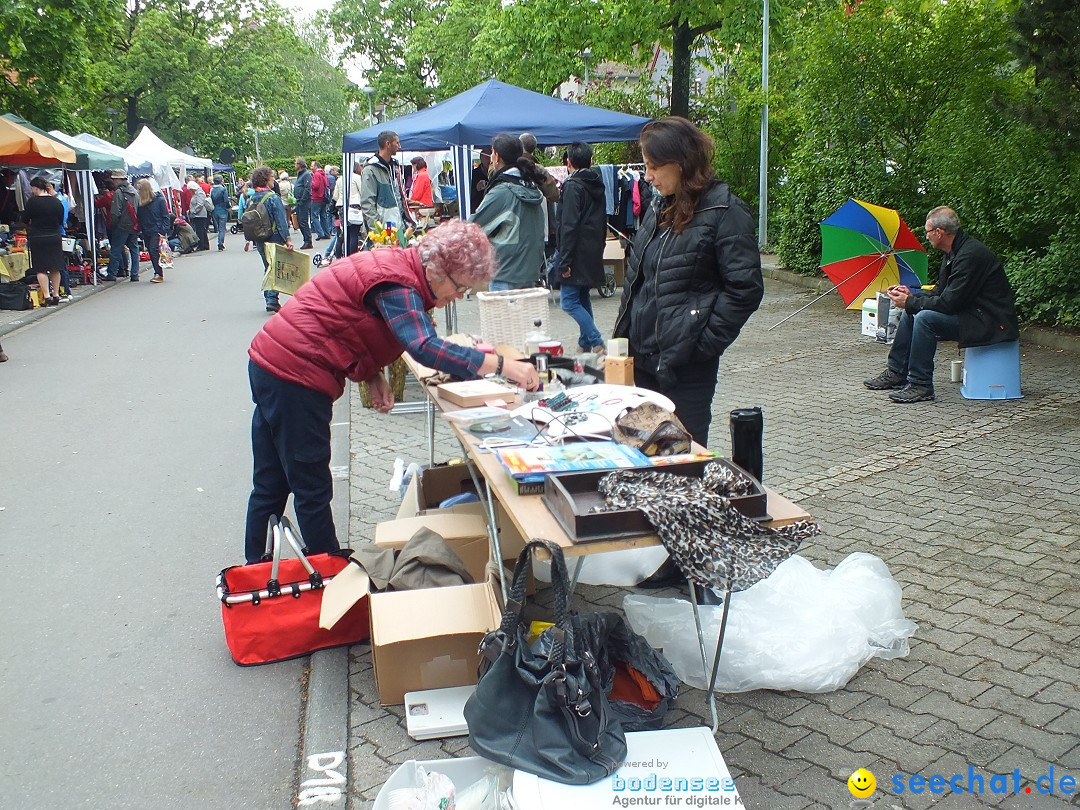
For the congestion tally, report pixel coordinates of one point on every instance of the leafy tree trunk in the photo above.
(682, 41)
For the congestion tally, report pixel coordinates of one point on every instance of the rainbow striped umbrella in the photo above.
(865, 249)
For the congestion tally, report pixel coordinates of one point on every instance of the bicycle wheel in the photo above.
(608, 288)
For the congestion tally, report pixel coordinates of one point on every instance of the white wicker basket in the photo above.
(507, 316)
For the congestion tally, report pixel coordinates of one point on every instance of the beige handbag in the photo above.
(652, 430)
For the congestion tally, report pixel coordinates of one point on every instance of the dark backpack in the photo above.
(256, 222)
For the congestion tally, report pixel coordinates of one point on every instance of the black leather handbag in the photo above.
(15, 296)
(544, 713)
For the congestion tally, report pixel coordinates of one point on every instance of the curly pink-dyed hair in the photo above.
(461, 249)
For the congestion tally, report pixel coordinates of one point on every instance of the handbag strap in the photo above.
(560, 584)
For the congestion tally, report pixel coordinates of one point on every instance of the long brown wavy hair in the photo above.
(676, 140)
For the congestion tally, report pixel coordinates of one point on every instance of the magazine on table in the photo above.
(533, 463)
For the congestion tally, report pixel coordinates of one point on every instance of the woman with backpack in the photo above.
(199, 214)
(264, 221)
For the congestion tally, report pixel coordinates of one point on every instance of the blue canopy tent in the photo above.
(477, 115)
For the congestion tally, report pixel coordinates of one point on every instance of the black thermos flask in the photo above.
(747, 427)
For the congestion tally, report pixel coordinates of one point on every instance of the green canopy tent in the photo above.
(86, 160)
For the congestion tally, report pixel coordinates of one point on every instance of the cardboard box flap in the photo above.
(407, 615)
(449, 526)
(347, 588)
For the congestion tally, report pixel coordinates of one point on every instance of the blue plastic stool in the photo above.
(992, 372)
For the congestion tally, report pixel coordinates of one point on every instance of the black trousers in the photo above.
(290, 446)
(199, 224)
(692, 394)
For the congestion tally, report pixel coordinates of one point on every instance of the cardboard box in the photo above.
(433, 486)
(472, 393)
(615, 260)
(429, 639)
(619, 370)
(869, 317)
(464, 533)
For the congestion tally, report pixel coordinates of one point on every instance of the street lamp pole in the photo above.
(763, 162)
(586, 53)
(369, 92)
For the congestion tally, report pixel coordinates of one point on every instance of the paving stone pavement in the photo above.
(974, 506)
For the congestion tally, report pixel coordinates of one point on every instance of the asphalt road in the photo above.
(125, 467)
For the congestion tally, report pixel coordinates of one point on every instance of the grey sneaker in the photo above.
(886, 379)
(913, 392)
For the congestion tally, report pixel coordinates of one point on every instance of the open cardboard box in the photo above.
(463, 532)
(434, 485)
(430, 639)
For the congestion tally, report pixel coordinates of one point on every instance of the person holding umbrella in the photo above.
(972, 304)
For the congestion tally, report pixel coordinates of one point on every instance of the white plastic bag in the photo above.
(801, 629)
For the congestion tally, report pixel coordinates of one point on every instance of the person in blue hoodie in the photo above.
(512, 215)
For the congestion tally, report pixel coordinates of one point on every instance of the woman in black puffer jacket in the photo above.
(694, 273)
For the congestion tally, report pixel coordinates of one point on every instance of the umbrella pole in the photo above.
(832, 289)
(800, 309)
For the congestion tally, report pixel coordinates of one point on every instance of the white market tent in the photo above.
(137, 166)
(149, 146)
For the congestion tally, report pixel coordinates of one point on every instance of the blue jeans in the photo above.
(917, 336)
(498, 286)
(318, 219)
(118, 241)
(221, 219)
(576, 303)
(290, 447)
(269, 296)
(303, 220)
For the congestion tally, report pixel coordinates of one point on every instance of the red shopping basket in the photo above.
(270, 610)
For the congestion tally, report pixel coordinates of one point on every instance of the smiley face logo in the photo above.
(861, 783)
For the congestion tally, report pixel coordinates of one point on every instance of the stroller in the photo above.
(332, 249)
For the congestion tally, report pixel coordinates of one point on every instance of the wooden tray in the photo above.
(572, 496)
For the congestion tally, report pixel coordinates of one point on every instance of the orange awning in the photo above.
(21, 146)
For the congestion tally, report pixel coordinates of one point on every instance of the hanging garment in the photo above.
(709, 540)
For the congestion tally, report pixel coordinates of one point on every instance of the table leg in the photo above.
(429, 413)
(494, 545)
(577, 573)
(711, 690)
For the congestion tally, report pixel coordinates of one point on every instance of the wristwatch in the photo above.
(499, 367)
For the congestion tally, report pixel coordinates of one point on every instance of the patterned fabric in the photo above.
(403, 310)
(705, 535)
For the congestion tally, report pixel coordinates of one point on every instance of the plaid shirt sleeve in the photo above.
(403, 311)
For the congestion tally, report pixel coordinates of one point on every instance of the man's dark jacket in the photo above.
(302, 187)
(706, 286)
(972, 285)
(580, 228)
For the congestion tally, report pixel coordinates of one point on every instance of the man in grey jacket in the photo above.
(382, 194)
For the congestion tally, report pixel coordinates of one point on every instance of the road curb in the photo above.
(323, 766)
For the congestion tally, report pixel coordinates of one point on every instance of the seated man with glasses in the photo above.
(972, 304)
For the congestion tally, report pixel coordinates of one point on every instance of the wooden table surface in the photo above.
(532, 518)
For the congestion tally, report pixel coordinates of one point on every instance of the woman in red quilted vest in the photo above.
(350, 321)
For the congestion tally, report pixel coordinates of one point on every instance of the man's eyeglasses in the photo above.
(931, 230)
(461, 288)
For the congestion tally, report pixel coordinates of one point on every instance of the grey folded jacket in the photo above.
(426, 561)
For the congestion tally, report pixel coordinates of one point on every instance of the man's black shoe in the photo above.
(886, 379)
(306, 246)
(273, 306)
(122, 274)
(913, 392)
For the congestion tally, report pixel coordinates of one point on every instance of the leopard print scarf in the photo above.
(710, 541)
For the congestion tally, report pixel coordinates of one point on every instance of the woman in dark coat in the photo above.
(694, 273)
(153, 224)
(44, 216)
